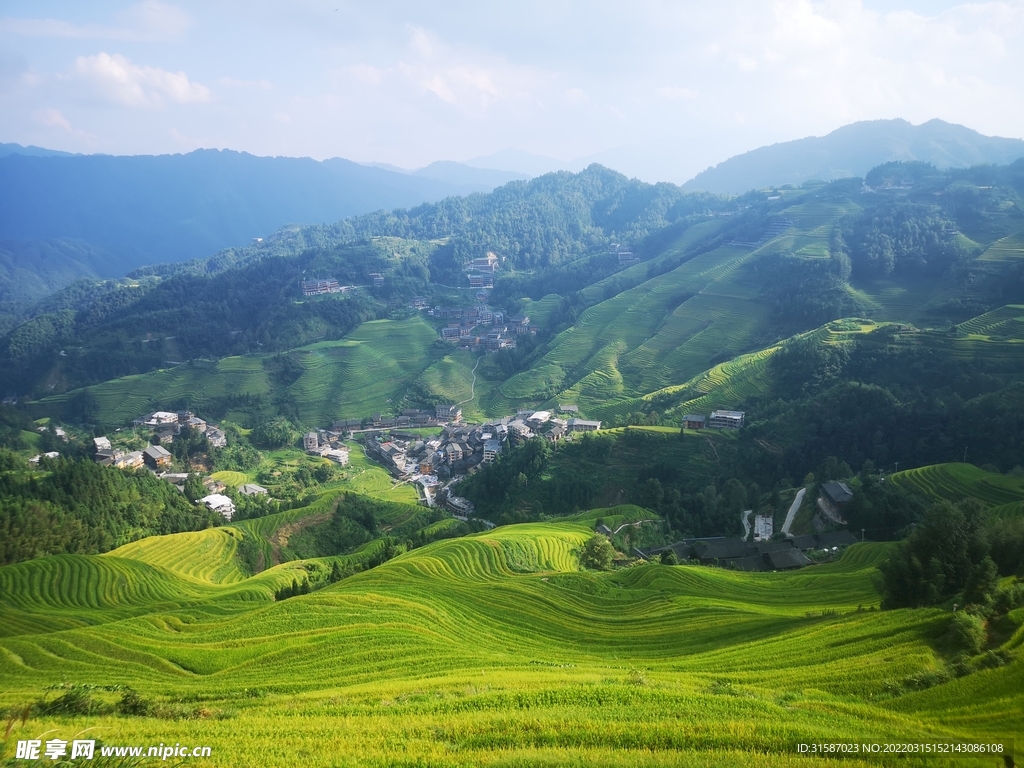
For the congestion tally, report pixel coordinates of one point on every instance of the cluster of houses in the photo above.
(717, 420)
(740, 555)
(166, 425)
(480, 328)
(461, 448)
(481, 271)
(328, 446)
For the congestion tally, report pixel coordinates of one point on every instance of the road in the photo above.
(745, 517)
(793, 510)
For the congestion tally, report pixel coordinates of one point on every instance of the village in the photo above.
(403, 445)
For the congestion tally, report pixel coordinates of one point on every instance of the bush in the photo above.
(74, 701)
(982, 583)
(668, 557)
(133, 704)
(598, 553)
(966, 633)
(1008, 598)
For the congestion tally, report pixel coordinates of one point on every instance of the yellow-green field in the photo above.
(494, 649)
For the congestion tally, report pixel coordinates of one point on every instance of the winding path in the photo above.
(793, 510)
(472, 386)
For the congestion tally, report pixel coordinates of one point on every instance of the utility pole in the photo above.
(965, 454)
(897, 467)
(861, 535)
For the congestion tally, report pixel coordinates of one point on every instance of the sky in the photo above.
(658, 90)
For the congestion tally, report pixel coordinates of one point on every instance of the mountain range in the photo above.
(852, 151)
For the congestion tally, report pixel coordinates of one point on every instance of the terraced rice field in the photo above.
(641, 339)
(496, 649)
(955, 481)
(1000, 324)
(369, 371)
(230, 478)
(1009, 249)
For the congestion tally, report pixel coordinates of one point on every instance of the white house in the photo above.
(220, 503)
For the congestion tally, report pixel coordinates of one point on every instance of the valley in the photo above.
(648, 370)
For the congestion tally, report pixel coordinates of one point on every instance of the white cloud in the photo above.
(145, 22)
(52, 118)
(118, 80)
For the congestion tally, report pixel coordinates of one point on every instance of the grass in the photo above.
(955, 481)
(493, 649)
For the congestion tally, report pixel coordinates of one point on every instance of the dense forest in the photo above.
(77, 507)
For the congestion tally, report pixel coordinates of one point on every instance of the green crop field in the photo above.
(369, 371)
(494, 649)
(956, 481)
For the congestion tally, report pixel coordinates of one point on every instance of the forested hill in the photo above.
(245, 300)
(712, 278)
(853, 150)
(149, 209)
(538, 223)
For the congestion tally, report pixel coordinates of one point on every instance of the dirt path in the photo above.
(745, 518)
(472, 385)
(627, 525)
(793, 509)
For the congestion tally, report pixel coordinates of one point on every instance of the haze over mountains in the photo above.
(852, 151)
(64, 217)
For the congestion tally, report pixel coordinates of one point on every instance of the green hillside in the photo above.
(492, 650)
(369, 371)
(957, 481)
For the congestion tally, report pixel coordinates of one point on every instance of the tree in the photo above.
(938, 558)
(653, 494)
(982, 583)
(598, 553)
(668, 557)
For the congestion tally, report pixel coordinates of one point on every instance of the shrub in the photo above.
(133, 704)
(598, 553)
(966, 633)
(668, 557)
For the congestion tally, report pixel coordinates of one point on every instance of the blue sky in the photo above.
(659, 90)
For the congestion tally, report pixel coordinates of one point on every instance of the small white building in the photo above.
(582, 425)
(101, 443)
(726, 419)
(220, 503)
(157, 418)
(764, 527)
(251, 489)
(338, 456)
(538, 419)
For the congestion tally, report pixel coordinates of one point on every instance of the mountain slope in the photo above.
(853, 150)
(150, 209)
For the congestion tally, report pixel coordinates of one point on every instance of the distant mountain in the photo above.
(31, 269)
(460, 174)
(17, 149)
(523, 162)
(150, 209)
(852, 151)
